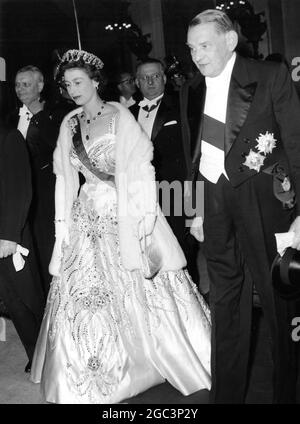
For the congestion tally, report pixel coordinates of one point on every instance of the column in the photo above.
(148, 16)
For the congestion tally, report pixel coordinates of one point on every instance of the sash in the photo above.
(83, 156)
(213, 132)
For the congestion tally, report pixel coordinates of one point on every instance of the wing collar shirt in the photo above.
(24, 120)
(212, 163)
(146, 119)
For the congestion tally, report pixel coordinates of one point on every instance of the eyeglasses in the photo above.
(127, 81)
(147, 78)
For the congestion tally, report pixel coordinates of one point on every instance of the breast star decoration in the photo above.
(254, 160)
(265, 145)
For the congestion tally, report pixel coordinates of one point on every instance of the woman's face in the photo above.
(81, 88)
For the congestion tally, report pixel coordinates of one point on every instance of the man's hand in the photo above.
(7, 248)
(197, 228)
(296, 228)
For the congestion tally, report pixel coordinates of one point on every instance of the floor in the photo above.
(15, 387)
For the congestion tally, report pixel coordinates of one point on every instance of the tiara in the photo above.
(75, 55)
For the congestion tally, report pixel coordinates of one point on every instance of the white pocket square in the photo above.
(170, 123)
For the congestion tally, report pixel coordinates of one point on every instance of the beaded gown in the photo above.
(108, 333)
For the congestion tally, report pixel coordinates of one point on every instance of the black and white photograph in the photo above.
(149, 205)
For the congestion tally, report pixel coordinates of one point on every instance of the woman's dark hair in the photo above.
(91, 70)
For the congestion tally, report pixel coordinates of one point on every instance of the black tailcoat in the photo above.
(21, 291)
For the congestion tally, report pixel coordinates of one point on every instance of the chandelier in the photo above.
(118, 26)
(225, 6)
(128, 32)
(252, 25)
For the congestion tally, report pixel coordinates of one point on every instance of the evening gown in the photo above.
(108, 333)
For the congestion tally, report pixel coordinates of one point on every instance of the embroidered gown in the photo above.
(108, 333)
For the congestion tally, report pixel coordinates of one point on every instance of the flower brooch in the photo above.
(72, 124)
(265, 144)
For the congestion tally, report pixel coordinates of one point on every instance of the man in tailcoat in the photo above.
(40, 130)
(20, 289)
(158, 114)
(242, 132)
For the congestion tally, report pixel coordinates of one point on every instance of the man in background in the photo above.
(128, 93)
(40, 130)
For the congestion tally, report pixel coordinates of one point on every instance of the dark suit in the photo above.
(241, 217)
(41, 140)
(21, 291)
(169, 163)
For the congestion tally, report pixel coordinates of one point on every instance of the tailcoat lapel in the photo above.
(240, 96)
(196, 102)
(13, 118)
(160, 118)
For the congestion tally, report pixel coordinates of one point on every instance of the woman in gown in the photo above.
(108, 332)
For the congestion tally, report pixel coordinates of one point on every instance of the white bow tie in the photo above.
(24, 111)
(148, 103)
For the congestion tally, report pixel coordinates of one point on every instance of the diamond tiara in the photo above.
(75, 55)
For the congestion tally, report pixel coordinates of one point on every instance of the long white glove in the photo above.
(2, 330)
(61, 230)
(61, 235)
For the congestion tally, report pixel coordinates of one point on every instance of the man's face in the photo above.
(151, 80)
(210, 50)
(127, 85)
(28, 87)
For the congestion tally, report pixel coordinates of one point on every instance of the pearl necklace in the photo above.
(89, 121)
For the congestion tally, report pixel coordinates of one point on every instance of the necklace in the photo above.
(89, 121)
